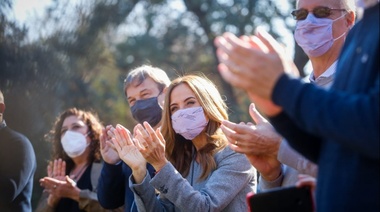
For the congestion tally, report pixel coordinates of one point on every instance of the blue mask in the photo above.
(147, 110)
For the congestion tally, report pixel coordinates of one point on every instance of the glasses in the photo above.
(319, 12)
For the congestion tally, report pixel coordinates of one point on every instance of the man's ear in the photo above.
(350, 19)
(2, 107)
(164, 90)
(161, 98)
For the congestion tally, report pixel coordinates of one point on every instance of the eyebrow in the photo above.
(142, 91)
(188, 98)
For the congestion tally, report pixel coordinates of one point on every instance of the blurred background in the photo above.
(56, 54)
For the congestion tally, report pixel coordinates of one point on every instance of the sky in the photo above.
(24, 10)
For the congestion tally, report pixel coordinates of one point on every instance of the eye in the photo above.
(173, 109)
(190, 102)
(131, 102)
(63, 131)
(75, 127)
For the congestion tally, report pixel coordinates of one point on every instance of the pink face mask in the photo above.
(314, 35)
(189, 122)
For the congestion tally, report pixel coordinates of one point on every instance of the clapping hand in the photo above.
(128, 150)
(151, 145)
(107, 149)
(259, 142)
(57, 184)
(60, 189)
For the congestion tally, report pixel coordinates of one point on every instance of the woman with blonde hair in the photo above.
(196, 169)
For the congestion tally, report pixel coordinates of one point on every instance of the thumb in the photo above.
(255, 115)
(70, 181)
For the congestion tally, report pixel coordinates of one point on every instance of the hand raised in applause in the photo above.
(128, 151)
(254, 64)
(56, 169)
(151, 145)
(60, 188)
(259, 142)
(107, 149)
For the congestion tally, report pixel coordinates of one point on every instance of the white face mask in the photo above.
(189, 122)
(74, 143)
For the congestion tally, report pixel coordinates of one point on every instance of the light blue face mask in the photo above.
(314, 35)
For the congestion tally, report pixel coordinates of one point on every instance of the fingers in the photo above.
(50, 169)
(103, 138)
(70, 181)
(255, 115)
(63, 168)
(141, 137)
(268, 40)
(234, 132)
(152, 134)
(160, 136)
(255, 42)
(124, 134)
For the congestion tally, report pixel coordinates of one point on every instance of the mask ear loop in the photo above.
(340, 36)
(85, 135)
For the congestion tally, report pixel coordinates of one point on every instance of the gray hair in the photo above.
(349, 5)
(136, 76)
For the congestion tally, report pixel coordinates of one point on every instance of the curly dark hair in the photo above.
(94, 127)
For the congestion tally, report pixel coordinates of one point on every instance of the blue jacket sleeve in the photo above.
(350, 118)
(289, 130)
(111, 186)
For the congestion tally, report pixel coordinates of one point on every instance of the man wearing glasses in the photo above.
(321, 29)
(337, 128)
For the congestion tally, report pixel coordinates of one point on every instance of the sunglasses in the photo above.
(319, 12)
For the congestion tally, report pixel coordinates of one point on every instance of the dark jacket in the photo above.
(341, 126)
(17, 168)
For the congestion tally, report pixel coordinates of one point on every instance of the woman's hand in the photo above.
(151, 145)
(128, 152)
(57, 169)
(60, 188)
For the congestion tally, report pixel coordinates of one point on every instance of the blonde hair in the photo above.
(180, 151)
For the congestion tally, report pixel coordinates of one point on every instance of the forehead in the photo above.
(71, 120)
(147, 84)
(310, 4)
(180, 93)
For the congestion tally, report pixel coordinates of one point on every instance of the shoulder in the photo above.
(15, 139)
(229, 157)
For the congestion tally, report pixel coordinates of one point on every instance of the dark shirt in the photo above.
(339, 129)
(67, 204)
(113, 188)
(17, 168)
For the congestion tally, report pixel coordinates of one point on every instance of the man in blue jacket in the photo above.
(338, 128)
(145, 89)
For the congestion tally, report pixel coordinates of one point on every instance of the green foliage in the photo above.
(86, 50)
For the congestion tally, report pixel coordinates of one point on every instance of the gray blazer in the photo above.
(225, 189)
